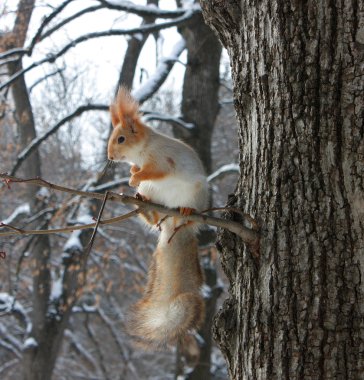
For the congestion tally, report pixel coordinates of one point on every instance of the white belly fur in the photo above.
(175, 192)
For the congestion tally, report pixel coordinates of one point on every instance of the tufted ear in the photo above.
(125, 110)
(115, 120)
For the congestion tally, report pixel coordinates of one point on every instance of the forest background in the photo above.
(294, 306)
(61, 64)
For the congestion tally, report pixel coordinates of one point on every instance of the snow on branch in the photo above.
(40, 37)
(21, 210)
(46, 20)
(109, 185)
(249, 235)
(8, 304)
(127, 6)
(14, 51)
(51, 58)
(225, 169)
(157, 79)
(146, 10)
(185, 128)
(73, 243)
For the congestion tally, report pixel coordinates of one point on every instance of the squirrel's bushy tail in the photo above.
(159, 323)
(172, 304)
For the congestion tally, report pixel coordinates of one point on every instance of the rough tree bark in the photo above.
(296, 312)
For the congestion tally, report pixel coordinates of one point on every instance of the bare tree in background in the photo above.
(61, 326)
(296, 311)
(200, 106)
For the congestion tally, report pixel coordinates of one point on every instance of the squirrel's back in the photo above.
(185, 185)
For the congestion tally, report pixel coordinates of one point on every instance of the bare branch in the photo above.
(45, 22)
(40, 80)
(9, 364)
(37, 141)
(15, 51)
(143, 11)
(19, 73)
(149, 28)
(9, 304)
(118, 342)
(80, 349)
(40, 37)
(17, 231)
(249, 236)
(185, 128)
(96, 343)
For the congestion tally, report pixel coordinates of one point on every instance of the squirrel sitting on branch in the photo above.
(168, 172)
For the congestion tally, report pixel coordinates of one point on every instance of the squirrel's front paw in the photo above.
(134, 169)
(133, 181)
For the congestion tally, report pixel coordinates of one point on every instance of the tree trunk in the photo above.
(296, 312)
(132, 53)
(38, 360)
(200, 97)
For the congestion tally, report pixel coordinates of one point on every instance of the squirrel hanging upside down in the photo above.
(165, 171)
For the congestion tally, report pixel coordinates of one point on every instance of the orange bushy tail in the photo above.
(157, 324)
(172, 304)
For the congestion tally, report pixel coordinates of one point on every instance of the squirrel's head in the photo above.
(129, 132)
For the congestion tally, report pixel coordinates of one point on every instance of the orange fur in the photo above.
(125, 109)
(125, 118)
(149, 171)
(151, 217)
(171, 305)
(134, 169)
(185, 211)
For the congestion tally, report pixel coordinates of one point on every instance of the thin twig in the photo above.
(249, 236)
(116, 219)
(94, 232)
(37, 141)
(108, 163)
(17, 230)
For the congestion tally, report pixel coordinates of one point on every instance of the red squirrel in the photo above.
(166, 171)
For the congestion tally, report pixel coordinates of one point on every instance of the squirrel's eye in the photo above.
(121, 139)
